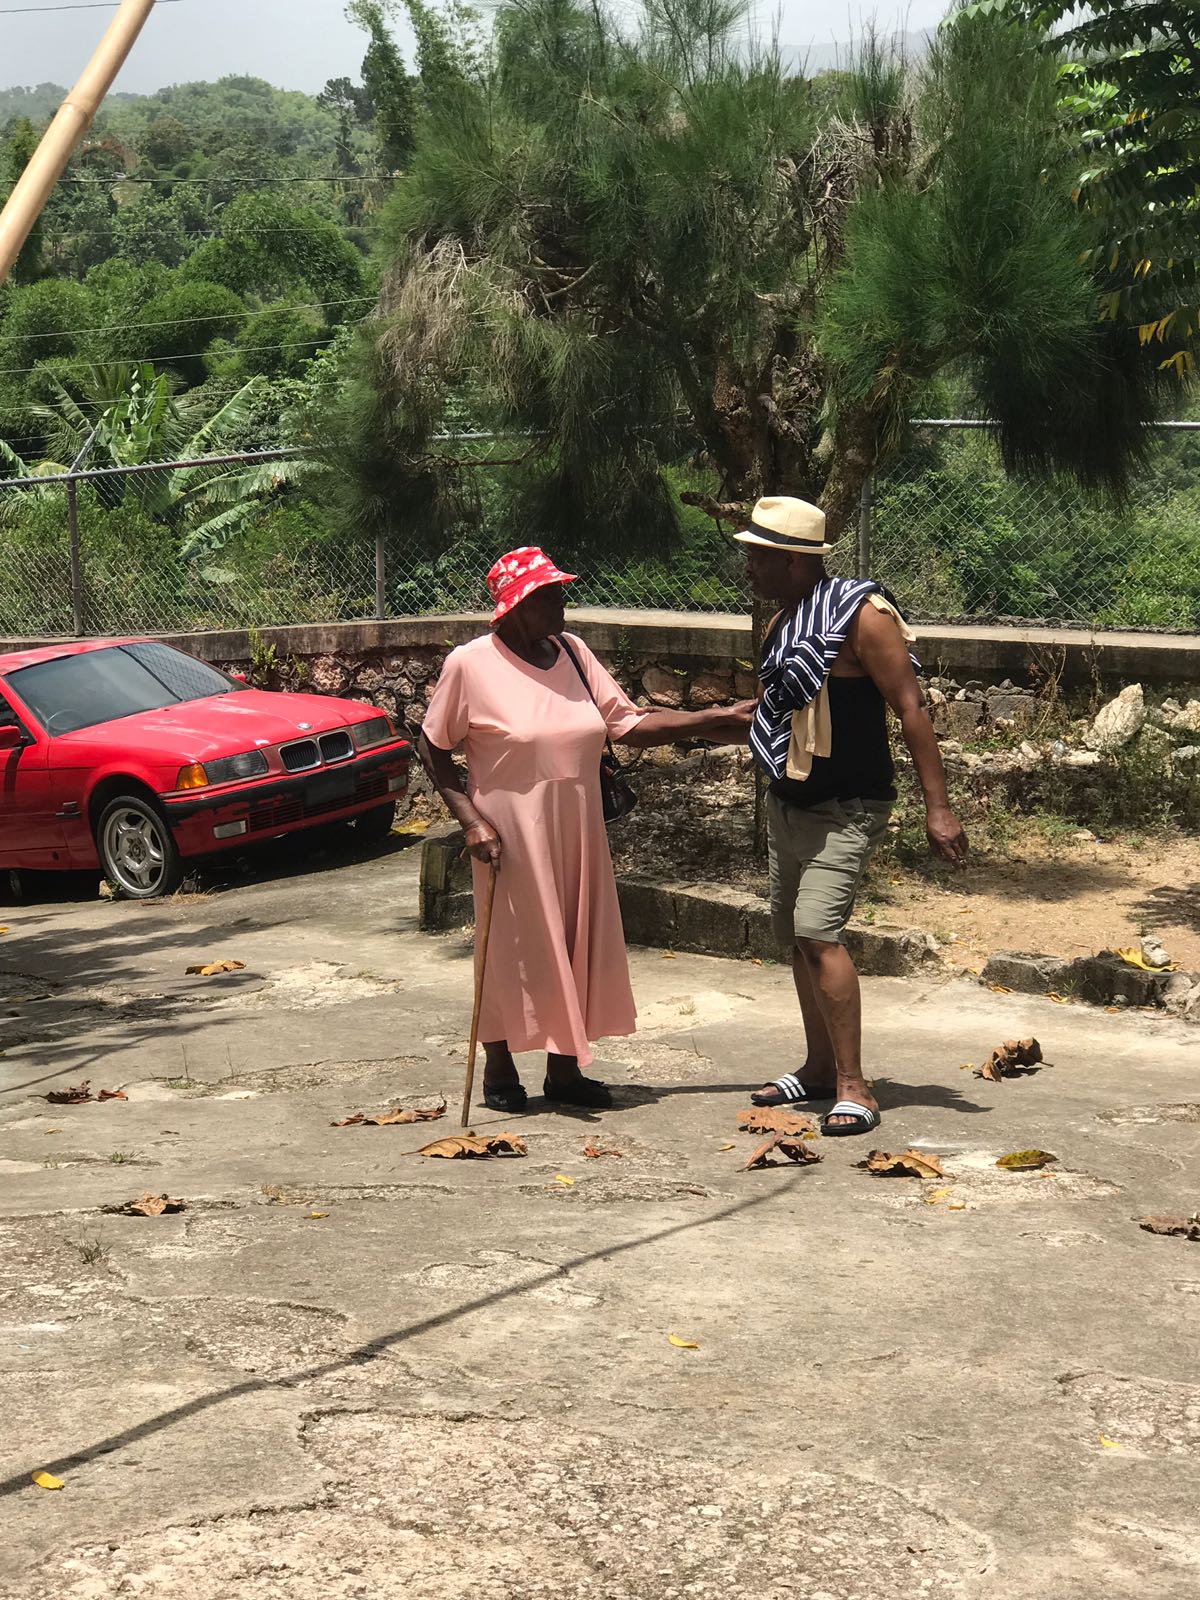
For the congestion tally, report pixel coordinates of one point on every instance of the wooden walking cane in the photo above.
(484, 934)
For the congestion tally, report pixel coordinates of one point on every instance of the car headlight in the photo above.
(250, 764)
(378, 731)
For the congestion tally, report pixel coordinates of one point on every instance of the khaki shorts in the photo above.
(818, 856)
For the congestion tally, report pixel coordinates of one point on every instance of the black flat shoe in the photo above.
(511, 1099)
(579, 1092)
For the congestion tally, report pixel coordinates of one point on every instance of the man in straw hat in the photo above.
(835, 658)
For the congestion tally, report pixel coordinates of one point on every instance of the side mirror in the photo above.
(11, 737)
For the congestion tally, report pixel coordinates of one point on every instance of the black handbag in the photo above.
(617, 799)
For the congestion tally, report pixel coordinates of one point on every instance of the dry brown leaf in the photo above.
(112, 1094)
(794, 1147)
(998, 988)
(148, 1205)
(390, 1119)
(1016, 1058)
(594, 1151)
(1177, 1227)
(909, 1164)
(470, 1146)
(79, 1095)
(212, 969)
(789, 1145)
(1025, 1160)
(774, 1120)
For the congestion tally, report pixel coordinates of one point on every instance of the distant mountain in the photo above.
(39, 103)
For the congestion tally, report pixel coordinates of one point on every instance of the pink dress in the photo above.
(557, 973)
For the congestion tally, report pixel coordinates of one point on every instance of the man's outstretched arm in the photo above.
(879, 645)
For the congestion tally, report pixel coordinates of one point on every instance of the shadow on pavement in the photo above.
(376, 1347)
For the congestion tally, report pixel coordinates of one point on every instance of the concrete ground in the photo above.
(349, 1371)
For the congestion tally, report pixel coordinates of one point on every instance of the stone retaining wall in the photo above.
(674, 659)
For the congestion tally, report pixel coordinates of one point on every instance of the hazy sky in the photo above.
(298, 44)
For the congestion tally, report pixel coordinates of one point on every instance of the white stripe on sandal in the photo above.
(864, 1119)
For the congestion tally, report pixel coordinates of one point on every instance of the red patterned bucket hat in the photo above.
(518, 574)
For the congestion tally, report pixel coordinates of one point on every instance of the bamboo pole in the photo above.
(61, 139)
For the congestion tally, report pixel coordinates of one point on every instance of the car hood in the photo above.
(223, 724)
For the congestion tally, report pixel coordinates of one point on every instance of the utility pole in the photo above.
(61, 139)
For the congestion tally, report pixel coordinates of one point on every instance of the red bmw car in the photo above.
(131, 756)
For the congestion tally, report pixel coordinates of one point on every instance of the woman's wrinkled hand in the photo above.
(483, 842)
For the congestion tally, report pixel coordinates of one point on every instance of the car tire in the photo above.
(137, 849)
(373, 826)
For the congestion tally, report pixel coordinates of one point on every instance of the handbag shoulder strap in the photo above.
(578, 665)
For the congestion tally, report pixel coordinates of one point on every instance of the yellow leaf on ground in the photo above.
(412, 827)
(212, 969)
(998, 988)
(725, 1147)
(668, 955)
(316, 1216)
(935, 1195)
(957, 1205)
(561, 1177)
(1135, 958)
(1025, 1160)
(1110, 1444)
(682, 1344)
(46, 1480)
(3, 930)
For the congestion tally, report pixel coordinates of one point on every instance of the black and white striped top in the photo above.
(796, 660)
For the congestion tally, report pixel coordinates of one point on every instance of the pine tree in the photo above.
(637, 241)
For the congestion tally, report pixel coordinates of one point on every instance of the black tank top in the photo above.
(859, 764)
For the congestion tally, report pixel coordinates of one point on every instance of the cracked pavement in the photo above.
(348, 1372)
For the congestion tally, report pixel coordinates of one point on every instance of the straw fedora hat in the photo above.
(782, 523)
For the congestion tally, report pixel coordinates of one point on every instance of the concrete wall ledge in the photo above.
(967, 651)
(1102, 979)
(708, 919)
(714, 919)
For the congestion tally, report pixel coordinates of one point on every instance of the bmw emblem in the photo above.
(304, 726)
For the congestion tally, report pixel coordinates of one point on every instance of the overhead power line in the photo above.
(171, 356)
(79, 5)
(349, 177)
(177, 322)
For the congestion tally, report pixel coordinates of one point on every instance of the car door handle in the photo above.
(71, 809)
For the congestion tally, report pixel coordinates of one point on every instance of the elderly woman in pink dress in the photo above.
(531, 708)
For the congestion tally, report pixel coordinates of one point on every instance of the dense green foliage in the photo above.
(666, 271)
(1130, 103)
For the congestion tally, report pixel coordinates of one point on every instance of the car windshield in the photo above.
(103, 685)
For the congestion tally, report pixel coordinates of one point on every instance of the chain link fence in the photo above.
(237, 542)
